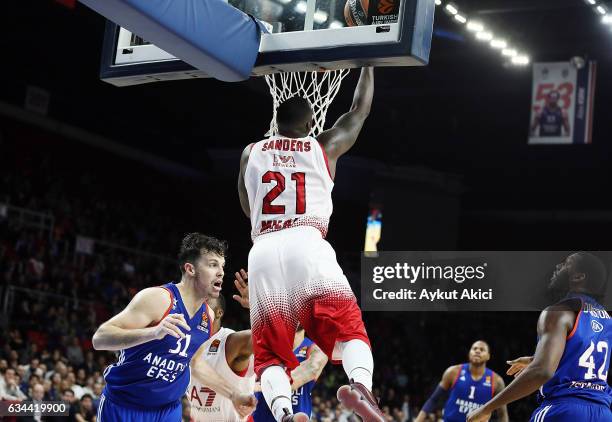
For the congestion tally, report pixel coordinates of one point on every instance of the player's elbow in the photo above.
(98, 340)
(543, 373)
(361, 110)
(95, 341)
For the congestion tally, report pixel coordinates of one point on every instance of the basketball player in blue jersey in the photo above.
(158, 334)
(552, 118)
(466, 387)
(571, 360)
(312, 361)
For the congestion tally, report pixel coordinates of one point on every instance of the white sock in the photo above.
(358, 362)
(276, 389)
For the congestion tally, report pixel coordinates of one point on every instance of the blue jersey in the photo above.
(550, 122)
(156, 374)
(300, 399)
(583, 369)
(468, 394)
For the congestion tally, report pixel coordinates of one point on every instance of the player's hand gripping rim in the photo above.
(170, 326)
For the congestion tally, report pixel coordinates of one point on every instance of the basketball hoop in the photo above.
(318, 87)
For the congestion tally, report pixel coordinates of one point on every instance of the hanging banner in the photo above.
(562, 103)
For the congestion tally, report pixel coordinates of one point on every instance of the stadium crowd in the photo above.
(54, 296)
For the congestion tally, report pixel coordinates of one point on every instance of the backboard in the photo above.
(304, 35)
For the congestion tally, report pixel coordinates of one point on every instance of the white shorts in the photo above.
(294, 277)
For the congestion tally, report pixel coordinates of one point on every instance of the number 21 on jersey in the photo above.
(300, 189)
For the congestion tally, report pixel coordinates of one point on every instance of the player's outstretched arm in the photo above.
(342, 136)
(132, 326)
(502, 412)
(440, 395)
(244, 402)
(553, 327)
(239, 349)
(242, 192)
(310, 369)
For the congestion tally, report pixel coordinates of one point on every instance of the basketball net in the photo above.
(319, 88)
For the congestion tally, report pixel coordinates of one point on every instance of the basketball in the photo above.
(356, 12)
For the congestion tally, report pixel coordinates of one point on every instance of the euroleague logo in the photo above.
(386, 7)
(596, 326)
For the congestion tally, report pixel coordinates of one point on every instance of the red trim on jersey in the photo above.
(492, 384)
(457, 377)
(241, 373)
(169, 307)
(571, 334)
(326, 160)
(211, 318)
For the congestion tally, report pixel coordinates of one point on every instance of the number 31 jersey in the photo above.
(289, 184)
(156, 373)
(583, 369)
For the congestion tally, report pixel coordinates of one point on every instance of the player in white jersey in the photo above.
(230, 353)
(285, 186)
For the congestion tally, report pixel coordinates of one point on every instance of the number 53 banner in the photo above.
(562, 103)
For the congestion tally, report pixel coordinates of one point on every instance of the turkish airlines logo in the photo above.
(596, 326)
(283, 161)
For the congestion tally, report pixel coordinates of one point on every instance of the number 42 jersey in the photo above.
(289, 184)
(583, 369)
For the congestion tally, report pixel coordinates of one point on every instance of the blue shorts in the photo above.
(109, 411)
(571, 410)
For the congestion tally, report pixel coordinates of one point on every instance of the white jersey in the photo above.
(206, 404)
(289, 184)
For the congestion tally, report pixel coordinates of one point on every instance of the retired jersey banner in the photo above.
(562, 103)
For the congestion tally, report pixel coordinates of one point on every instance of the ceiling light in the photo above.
(336, 24)
(499, 44)
(460, 18)
(520, 60)
(450, 8)
(607, 19)
(601, 10)
(484, 36)
(438, 2)
(591, 2)
(475, 26)
(509, 52)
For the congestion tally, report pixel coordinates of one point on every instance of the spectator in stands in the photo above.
(85, 410)
(10, 388)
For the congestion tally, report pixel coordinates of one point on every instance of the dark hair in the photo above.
(196, 244)
(485, 342)
(595, 271)
(68, 390)
(85, 396)
(292, 112)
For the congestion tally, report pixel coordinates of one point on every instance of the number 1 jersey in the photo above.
(289, 184)
(583, 369)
